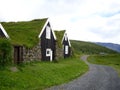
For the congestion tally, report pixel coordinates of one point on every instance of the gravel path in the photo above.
(99, 77)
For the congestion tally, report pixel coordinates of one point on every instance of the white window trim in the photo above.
(66, 49)
(48, 52)
(65, 37)
(48, 33)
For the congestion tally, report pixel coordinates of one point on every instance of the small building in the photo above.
(66, 45)
(31, 40)
(63, 44)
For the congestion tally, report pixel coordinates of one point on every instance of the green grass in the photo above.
(40, 75)
(24, 32)
(59, 35)
(110, 60)
(81, 47)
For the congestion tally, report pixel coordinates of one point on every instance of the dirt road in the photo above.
(99, 77)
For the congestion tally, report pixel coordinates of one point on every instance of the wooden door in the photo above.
(18, 54)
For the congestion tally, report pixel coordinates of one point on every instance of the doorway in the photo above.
(18, 54)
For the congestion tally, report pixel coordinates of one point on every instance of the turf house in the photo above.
(63, 44)
(31, 40)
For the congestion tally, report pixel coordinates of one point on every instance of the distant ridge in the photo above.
(112, 46)
(82, 47)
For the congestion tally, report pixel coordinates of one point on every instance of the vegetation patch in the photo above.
(110, 60)
(59, 35)
(24, 32)
(81, 47)
(5, 52)
(40, 75)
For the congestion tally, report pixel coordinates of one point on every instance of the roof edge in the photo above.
(67, 38)
(44, 28)
(4, 31)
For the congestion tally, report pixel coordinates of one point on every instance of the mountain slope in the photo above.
(112, 46)
(89, 48)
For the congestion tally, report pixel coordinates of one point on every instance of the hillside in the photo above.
(89, 48)
(112, 46)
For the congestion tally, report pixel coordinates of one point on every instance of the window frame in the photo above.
(66, 49)
(48, 52)
(48, 33)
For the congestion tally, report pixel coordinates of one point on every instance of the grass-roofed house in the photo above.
(63, 44)
(31, 40)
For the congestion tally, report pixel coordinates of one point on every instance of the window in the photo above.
(48, 52)
(65, 37)
(48, 32)
(66, 49)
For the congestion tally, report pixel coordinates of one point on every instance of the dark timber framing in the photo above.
(66, 46)
(48, 43)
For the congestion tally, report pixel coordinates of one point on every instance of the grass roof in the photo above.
(59, 35)
(24, 32)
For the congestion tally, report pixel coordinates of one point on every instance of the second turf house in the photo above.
(63, 44)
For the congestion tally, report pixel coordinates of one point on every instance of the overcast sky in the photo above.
(86, 20)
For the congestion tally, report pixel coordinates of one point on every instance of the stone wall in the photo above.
(59, 52)
(32, 54)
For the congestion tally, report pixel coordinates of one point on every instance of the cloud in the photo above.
(88, 20)
(109, 14)
(18, 10)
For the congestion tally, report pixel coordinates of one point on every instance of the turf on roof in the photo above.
(24, 33)
(59, 35)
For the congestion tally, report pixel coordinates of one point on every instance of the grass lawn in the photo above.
(110, 60)
(40, 75)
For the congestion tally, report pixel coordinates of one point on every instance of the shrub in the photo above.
(5, 52)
